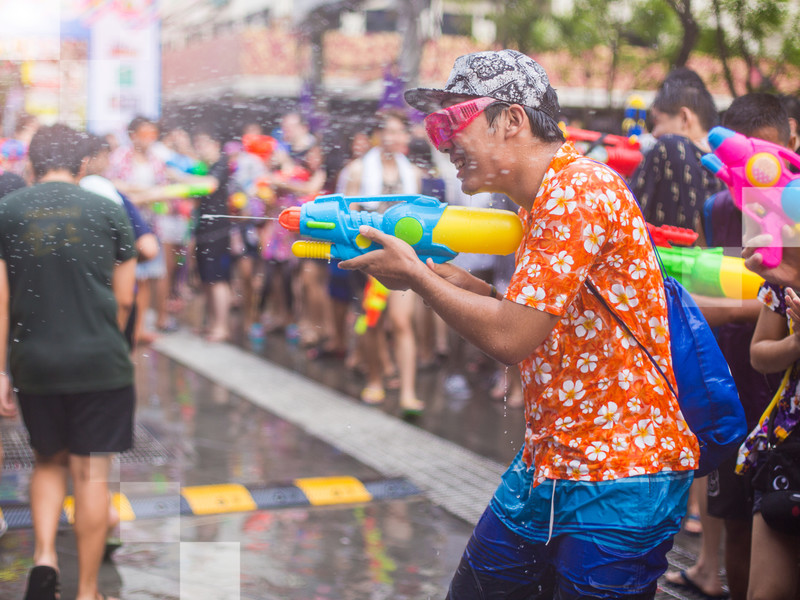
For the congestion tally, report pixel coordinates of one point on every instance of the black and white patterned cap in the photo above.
(507, 75)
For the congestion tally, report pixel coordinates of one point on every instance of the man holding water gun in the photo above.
(590, 504)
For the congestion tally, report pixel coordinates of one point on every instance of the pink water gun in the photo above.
(760, 181)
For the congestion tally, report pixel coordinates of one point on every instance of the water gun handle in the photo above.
(772, 223)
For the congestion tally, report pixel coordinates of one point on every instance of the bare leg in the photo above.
(773, 566)
(143, 293)
(218, 295)
(373, 392)
(705, 572)
(738, 535)
(245, 271)
(48, 490)
(401, 311)
(90, 479)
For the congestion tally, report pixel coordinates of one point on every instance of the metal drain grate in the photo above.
(147, 450)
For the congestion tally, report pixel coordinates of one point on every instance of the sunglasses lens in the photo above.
(444, 124)
(438, 128)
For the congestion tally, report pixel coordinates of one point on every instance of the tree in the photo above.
(408, 25)
(762, 34)
(691, 30)
(320, 19)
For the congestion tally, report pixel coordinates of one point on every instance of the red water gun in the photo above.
(667, 236)
(620, 153)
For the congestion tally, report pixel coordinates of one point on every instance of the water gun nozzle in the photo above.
(290, 218)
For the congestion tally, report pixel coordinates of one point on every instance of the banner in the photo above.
(124, 63)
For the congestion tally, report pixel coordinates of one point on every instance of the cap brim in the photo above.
(429, 100)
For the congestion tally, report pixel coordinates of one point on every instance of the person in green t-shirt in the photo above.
(67, 272)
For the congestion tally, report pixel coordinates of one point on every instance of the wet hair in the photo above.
(55, 147)
(92, 145)
(391, 113)
(209, 129)
(543, 125)
(751, 112)
(684, 88)
(137, 122)
(792, 106)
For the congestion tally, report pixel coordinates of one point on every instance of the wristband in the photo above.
(493, 292)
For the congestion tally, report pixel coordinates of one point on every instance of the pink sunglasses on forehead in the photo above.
(442, 125)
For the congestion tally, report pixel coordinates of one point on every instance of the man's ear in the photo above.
(516, 120)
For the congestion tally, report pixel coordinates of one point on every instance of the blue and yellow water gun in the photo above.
(434, 229)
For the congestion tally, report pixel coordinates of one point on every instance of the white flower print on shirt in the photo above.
(594, 238)
(570, 392)
(541, 371)
(565, 423)
(597, 451)
(638, 269)
(561, 201)
(686, 457)
(658, 330)
(607, 416)
(577, 470)
(587, 363)
(562, 262)
(623, 297)
(644, 434)
(562, 233)
(588, 325)
(533, 296)
(619, 444)
(625, 378)
(578, 179)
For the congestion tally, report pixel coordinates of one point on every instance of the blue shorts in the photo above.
(609, 539)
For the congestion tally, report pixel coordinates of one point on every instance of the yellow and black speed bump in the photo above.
(233, 497)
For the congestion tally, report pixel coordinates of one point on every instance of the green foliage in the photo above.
(518, 23)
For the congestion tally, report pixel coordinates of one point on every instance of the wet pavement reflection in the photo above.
(383, 549)
(192, 432)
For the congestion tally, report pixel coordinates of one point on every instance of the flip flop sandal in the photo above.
(373, 395)
(688, 584)
(42, 584)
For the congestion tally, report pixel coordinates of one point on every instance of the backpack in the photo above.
(706, 392)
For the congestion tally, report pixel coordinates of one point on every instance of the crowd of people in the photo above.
(200, 212)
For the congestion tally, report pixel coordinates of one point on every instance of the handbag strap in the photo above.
(624, 325)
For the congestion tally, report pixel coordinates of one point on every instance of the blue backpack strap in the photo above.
(708, 210)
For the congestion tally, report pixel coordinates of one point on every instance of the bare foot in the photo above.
(217, 336)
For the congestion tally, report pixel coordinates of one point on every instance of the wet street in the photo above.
(257, 474)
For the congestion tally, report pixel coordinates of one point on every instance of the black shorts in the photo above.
(85, 423)
(730, 496)
(214, 261)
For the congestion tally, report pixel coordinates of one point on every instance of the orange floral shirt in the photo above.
(596, 408)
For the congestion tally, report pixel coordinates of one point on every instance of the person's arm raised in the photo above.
(506, 331)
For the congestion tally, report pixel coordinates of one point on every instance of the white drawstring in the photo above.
(552, 512)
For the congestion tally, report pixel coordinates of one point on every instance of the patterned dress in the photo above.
(786, 401)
